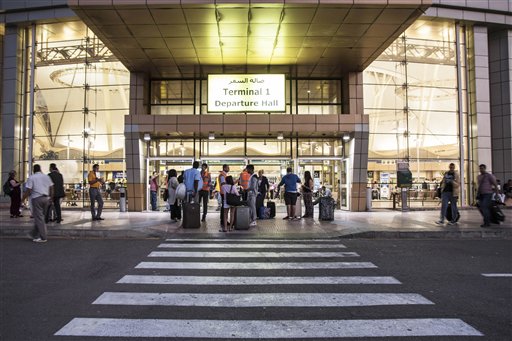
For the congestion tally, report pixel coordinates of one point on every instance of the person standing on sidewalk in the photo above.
(243, 182)
(153, 187)
(487, 185)
(58, 192)
(290, 181)
(307, 194)
(172, 184)
(95, 184)
(192, 180)
(40, 190)
(263, 188)
(15, 195)
(204, 192)
(221, 179)
(449, 195)
(252, 194)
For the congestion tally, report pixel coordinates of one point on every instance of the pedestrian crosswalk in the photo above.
(260, 289)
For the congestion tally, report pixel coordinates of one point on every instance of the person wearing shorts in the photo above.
(290, 181)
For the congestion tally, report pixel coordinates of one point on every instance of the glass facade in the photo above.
(81, 97)
(411, 97)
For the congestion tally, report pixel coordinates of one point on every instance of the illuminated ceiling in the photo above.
(303, 38)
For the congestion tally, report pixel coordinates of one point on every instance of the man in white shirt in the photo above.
(40, 189)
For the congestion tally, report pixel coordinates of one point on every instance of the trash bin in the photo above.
(122, 199)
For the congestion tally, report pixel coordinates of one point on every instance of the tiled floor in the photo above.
(77, 222)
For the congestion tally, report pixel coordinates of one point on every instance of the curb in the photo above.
(492, 233)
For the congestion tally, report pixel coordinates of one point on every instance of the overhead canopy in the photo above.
(299, 37)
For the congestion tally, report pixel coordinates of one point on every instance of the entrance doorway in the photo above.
(162, 165)
(328, 172)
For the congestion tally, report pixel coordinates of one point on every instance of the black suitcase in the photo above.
(272, 206)
(326, 210)
(191, 215)
(497, 215)
(449, 213)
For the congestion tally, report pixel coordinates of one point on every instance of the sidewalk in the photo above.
(375, 224)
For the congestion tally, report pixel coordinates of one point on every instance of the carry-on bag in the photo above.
(298, 208)
(242, 218)
(272, 206)
(191, 215)
(326, 210)
(497, 215)
(449, 213)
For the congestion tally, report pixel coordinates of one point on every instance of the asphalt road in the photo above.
(45, 286)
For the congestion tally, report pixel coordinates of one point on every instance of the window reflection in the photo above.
(410, 95)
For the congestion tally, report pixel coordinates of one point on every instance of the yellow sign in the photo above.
(246, 93)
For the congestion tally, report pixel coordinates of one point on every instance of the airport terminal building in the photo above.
(351, 90)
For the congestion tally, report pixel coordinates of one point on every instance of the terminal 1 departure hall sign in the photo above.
(246, 93)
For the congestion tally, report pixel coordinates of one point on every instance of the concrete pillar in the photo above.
(357, 150)
(500, 66)
(12, 106)
(480, 114)
(135, 146)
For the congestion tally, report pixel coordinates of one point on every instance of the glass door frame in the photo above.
(339, 163)
(190, 160)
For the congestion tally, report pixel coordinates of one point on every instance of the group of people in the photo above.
(488, 190)
(45, 191)
(251, 187)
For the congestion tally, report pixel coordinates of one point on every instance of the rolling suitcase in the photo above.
(497, 215)
(449, 213)
(326, 210)
(298, 208)
(191, 215)
(242, 218)
(272, 206)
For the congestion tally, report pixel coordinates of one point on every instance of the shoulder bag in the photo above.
(232, 199)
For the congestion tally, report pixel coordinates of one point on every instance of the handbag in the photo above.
(232, 199)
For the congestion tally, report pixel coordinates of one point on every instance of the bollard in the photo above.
(122, 199)
(369, 192)
(404, 194)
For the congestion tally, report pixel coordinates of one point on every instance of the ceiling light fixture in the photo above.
(147, 137)
(346, 137)
(211, 136)
(280, 136)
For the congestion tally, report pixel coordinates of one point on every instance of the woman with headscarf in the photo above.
(15, 195)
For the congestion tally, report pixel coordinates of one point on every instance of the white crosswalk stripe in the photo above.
(255, 265)
(245, 280)
(217, 281)
(260, 300)
(238, 254)
(252, 246)
(281, 329)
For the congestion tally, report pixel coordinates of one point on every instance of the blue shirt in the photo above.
(290, 181)
(190, 176)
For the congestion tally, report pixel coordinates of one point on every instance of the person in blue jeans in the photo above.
(449, 194)
(290, 181)
(487, 185)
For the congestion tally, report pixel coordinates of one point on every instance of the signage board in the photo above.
(246, 93)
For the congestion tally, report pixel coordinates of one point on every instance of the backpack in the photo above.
(181, 191)
(7, 188)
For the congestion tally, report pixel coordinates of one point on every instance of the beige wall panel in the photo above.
(165, 119)
(258, 128)
(280, 127)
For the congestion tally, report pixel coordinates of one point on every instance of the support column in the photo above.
(500, 63)
(135, 146)
(480, 116)
(12, 113)
(358, 145)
